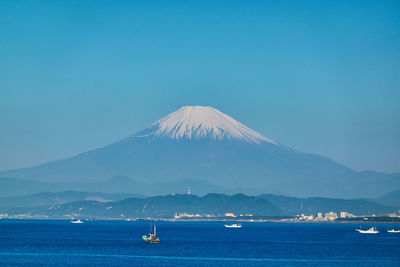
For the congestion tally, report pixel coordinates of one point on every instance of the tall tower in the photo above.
(188, 192)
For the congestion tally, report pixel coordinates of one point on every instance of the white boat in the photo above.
(371, 230)
(77, 221)
(233, 225)
(393, 231)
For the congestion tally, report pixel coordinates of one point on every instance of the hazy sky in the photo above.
(318, 76)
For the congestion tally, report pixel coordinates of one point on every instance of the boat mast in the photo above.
(155, 229)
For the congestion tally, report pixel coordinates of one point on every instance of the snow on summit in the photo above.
(198, 122)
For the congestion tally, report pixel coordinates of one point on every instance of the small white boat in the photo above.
(77, 221)
(371, 230)
(393, 231)
(233, 225)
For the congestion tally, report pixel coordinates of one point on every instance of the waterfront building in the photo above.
(344, 214)
(319, 217)
(306, 217)
(186, 215)
(330, 216)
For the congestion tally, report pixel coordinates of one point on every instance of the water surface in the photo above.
(118, 243)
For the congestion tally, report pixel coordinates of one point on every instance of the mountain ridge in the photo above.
(15, 187)
(211, 204)
(228, 160)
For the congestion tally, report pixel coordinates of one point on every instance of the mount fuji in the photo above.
(197, 123)
(202, 144)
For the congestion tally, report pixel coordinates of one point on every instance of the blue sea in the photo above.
(119, 243)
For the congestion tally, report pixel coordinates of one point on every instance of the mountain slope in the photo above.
(201, 143)
(391, 198)
(317, 204)
(51, 198)
(13, 188)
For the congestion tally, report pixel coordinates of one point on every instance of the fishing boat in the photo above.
(77, 221)
(393, 231)
(371, 230)
(233, 225)
(152, 237)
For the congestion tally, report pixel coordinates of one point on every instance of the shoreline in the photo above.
(341, 221)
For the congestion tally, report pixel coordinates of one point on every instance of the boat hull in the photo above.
(233, 226)
(367, 231)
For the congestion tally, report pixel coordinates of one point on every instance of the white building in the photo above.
(344, 214)
(306, 217)
(186, 215)
(330, 216)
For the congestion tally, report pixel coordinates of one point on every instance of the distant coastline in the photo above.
(188, 207)
(361, 220)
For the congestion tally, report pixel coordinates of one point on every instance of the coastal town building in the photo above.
(344, 215)
(303, 217)
(330, 216)
(186, 215)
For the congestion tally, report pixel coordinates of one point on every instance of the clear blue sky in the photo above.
(319, 76)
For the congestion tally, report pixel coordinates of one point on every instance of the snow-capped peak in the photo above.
(199, 122)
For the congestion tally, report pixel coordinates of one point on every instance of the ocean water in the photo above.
(119, 243)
